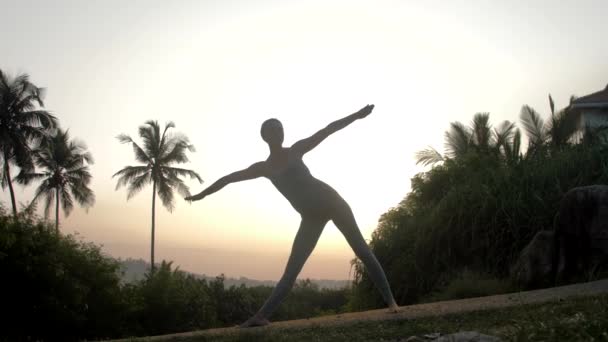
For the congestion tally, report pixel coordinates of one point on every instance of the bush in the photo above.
(56, 288)
(475, 212)
(167, 301)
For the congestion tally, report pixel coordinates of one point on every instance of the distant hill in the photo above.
(134, 270)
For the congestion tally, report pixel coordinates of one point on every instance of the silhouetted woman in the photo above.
(316, 202)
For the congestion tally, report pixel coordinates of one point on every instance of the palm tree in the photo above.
(158, 153)
(65, 174)
(21, 126)
(479, 137)
(555, 133)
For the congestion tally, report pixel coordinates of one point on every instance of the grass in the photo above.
(469, 284)
(578, 319)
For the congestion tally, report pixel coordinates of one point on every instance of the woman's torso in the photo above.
(293, 179)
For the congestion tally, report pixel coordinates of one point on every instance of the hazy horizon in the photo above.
(219, 69)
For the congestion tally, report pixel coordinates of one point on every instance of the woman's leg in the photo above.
(304, 243)
(346, 223)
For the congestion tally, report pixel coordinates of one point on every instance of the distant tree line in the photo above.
(136, 269)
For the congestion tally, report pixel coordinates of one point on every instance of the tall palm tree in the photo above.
(65, 174)
(21, 126)
(158, 153)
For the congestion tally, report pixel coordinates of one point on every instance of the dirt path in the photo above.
(414, 311)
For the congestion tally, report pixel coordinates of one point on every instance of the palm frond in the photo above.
(176, 153)
(516, 149)
(137, 184)
(67, 203)
(48, 192)
(504, 133)
(163, 141)
(39, 118)
(175, 182)
(165, 193)
(140, 155)
(150, 135)
(562, 126)
(129, 173)
(458, 140)
(80, 190)
(534, 125)
(179, 172)
(428, 156)
(25, 178)
(482, 131)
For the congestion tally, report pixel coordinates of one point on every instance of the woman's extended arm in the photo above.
(311, 142)
(254, 171)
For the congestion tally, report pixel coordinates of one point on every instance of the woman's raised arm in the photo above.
(305, 145)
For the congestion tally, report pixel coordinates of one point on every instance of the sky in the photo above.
(218, 69)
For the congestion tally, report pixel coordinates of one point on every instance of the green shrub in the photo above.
(475, 212)
(56, 288)
(167, 301)
(59, 288)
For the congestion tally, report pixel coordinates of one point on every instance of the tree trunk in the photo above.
(57, 211)
(7, 171)
(152, 239)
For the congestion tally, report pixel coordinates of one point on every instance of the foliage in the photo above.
(55, 288)
(22, 125)
(58, 288)
(65, 174)
(169, 301)
(478, 208)
(159, 152)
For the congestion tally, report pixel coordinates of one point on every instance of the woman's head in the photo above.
(272, 132)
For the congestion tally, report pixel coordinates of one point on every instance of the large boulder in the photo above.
(581, 232)
(534, 267)
(577, 245)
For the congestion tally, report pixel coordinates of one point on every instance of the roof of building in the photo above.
(598, 99)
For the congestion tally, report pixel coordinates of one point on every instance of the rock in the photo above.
(463, 336)
(534, 267)
(581, 232)
(578, 243)
(416, 339)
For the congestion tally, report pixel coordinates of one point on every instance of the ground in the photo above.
(529, 313)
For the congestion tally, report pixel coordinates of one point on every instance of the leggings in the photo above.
(303, 245)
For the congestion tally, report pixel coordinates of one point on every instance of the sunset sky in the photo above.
(218, 69)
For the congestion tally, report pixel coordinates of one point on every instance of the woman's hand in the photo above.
(200, 196)
(365, 111)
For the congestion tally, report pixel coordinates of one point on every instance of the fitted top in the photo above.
(306, 193)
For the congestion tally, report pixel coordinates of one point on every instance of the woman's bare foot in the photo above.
(255, 321)
(393, 308)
